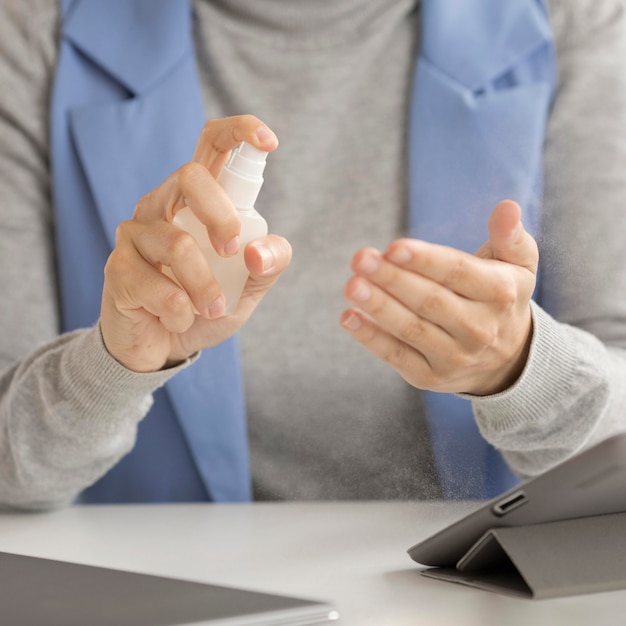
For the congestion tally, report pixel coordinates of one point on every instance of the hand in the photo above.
(444, 319)
(149, 321)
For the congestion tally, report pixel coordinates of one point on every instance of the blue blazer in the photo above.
(127, 110)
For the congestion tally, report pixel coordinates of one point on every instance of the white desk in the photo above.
(352, 554)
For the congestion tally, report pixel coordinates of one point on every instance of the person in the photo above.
(435, 168)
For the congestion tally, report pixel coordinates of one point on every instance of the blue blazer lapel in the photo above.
(133, 118)
(128, 145)
(136, 42)
(482, 91)
(476, 43)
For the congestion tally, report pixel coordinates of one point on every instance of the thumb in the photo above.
(509, 240)
(267, 257)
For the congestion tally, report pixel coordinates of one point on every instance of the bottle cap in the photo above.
(242, 175)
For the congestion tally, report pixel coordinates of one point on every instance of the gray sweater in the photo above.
(68, 411)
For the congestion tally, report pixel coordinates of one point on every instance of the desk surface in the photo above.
(352, 554)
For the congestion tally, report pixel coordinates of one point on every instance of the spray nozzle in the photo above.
(248, 151)
(242, 176)
(247, 160)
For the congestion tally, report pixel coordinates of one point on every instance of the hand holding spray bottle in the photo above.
(242, 179)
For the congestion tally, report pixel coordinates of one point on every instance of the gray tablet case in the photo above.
(560, 533)
(546, 560)
(35, 591)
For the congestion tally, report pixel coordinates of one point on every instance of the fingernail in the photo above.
(217, 308)
(267, 258)
(265, 136)
(353, 322)
(368, 264)
(362, 292)
(399, 255)
(232, 246)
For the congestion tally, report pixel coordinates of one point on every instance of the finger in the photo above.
(395, 318)
(461, 318)
(472, 302)
(135, 286)
(161, 203)
(166, 245)
(220, 136)
(509, 240)
(267, 257)
(217, 138)
(212, 208)
(194, 187)
(410, 363)
(463, 273)
(416, 292)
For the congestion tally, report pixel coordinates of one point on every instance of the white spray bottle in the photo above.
(242, 179)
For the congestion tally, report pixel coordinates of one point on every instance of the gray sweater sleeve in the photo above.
(573, 392)
(68, 411)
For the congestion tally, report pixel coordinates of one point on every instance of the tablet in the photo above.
(36, 591)
(592, 482)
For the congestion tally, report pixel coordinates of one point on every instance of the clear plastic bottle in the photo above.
(242, 179)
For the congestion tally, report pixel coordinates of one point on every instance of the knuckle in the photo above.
(388, 278)
(395, 355)
(190, 174)
(220, 132)
(117, 264)
(376, 306)
(432, 305)
(249, 119)
(109, 267)
(209, 129)
(486, 337)
(456, 272)
(459, 360)
(142, 206)
(484, 334)
(226, 223)
(120, 232)
(176, 303)
(507, 295)
(181, 244)
(413, 332)
(505, 290)
(245, 122)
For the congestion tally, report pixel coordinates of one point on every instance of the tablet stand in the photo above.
(561, 558)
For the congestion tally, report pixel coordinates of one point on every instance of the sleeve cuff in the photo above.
(107, 391)
(558, 371)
